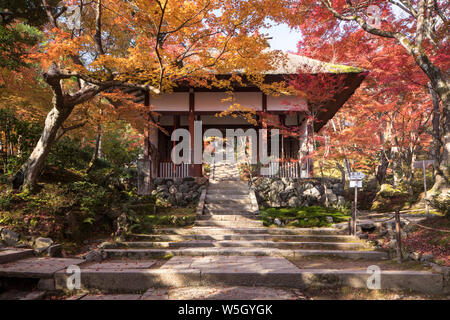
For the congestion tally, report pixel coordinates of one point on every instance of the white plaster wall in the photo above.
(213, 120)
(176, 101)
(212, 101)
(285, 103)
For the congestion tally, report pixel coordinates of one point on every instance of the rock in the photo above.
(307, 186)
(368, 227)
(10, 237)
(55, 251)
(341, 201)
(173, 190)
(338, 188)
(184, 188)
(277, 186)
(177, 181)
(441, 269)
(284, 195)
(329, 219)
(392, 244)
(294, 202)
(313, 193)
(277, 222)
(416, 256)
(179, 197)
(427, 257)
(41, 244)
(332, 198)
(93, 256)
(363, 236)
(162, 188)
(158, 181)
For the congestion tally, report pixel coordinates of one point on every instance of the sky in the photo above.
(283, 38)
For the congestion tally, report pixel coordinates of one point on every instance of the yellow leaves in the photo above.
(236, 110)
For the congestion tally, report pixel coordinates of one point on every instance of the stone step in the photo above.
(227, 223)
(14, 254)
(260, 237)
(268, 231)
(231, 192)
(232, 201)
(143, 253)
(230, 184)
(240, 244)
(249, 271)
(236, 211)
(228, 217)
(226, 196)
(231, 206)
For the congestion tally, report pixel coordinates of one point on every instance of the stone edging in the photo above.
(201, 203)
(254, 201)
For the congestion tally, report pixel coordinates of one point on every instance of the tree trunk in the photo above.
(96, 149)
(382, 168)
(29, 173)
(441, 138)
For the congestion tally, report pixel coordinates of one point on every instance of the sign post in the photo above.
(423, 164)
(356, 179)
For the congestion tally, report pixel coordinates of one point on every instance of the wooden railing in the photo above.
(170, 170)
(286, 169)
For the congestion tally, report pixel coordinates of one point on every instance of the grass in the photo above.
(165, 217)
(306, 217)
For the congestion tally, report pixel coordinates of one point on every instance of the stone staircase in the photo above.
(229, 225)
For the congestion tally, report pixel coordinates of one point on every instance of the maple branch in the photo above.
(185, 23)
(64, 130)
(439, 12)
(50, 16)
(160, 38)
(362, 23)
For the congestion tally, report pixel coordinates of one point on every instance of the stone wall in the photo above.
(289, 192)
(179, 191)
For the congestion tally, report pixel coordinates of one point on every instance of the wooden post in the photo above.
(350, 223)
(425, 188)
(398, 235)
(354, 210)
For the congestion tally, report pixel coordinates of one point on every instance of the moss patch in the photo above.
(314, 216)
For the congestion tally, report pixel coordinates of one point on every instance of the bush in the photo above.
(69, 154)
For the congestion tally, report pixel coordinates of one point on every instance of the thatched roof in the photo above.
(293, 63)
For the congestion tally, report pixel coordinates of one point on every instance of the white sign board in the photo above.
(423, 163)
(355, 183)
(358, 176)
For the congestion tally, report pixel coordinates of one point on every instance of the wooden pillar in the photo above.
(194, 169)
(176, 125)
(147, 148)
(282, 122)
